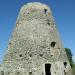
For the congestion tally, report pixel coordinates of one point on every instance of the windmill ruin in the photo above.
(35, 47)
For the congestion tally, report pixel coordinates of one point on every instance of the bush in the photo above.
(69, 55)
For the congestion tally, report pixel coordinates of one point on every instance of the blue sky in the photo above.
(63, 12)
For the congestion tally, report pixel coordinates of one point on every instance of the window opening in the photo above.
(30, 55)
(53, 44)
(45, 11)
(65, 64)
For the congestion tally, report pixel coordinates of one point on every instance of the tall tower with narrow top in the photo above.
(35, 47)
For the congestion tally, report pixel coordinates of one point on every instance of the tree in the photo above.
(69, 55)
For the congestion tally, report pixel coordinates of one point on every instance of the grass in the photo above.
(73, 68)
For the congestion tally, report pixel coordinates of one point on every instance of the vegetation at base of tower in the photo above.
(69, 55)
(73, 68)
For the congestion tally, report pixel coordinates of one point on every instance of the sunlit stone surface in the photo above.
(35, 47)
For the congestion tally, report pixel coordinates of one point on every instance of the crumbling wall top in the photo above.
(35, 5)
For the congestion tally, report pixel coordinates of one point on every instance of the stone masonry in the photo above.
(35, 47)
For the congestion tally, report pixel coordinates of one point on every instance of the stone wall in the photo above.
(35, 47)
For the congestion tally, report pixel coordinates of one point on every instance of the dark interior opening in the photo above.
(8, 72)
(2, 72)
(65, 64)
(18, 73)
(30, 55)
(51, 55)
(10, 43)
(45, 11)
(53, 44)
(41, 55)
(48, 23)
(30, 73)
(48, 69)
(20, 55)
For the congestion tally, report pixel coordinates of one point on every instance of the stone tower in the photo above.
(35, 47)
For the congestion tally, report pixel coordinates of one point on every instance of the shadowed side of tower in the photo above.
(35, 47)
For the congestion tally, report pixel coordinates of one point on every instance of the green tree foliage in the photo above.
(69, 55)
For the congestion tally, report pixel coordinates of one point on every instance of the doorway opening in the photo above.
(48, 69)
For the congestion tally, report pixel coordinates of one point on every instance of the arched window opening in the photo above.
(65, 64)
